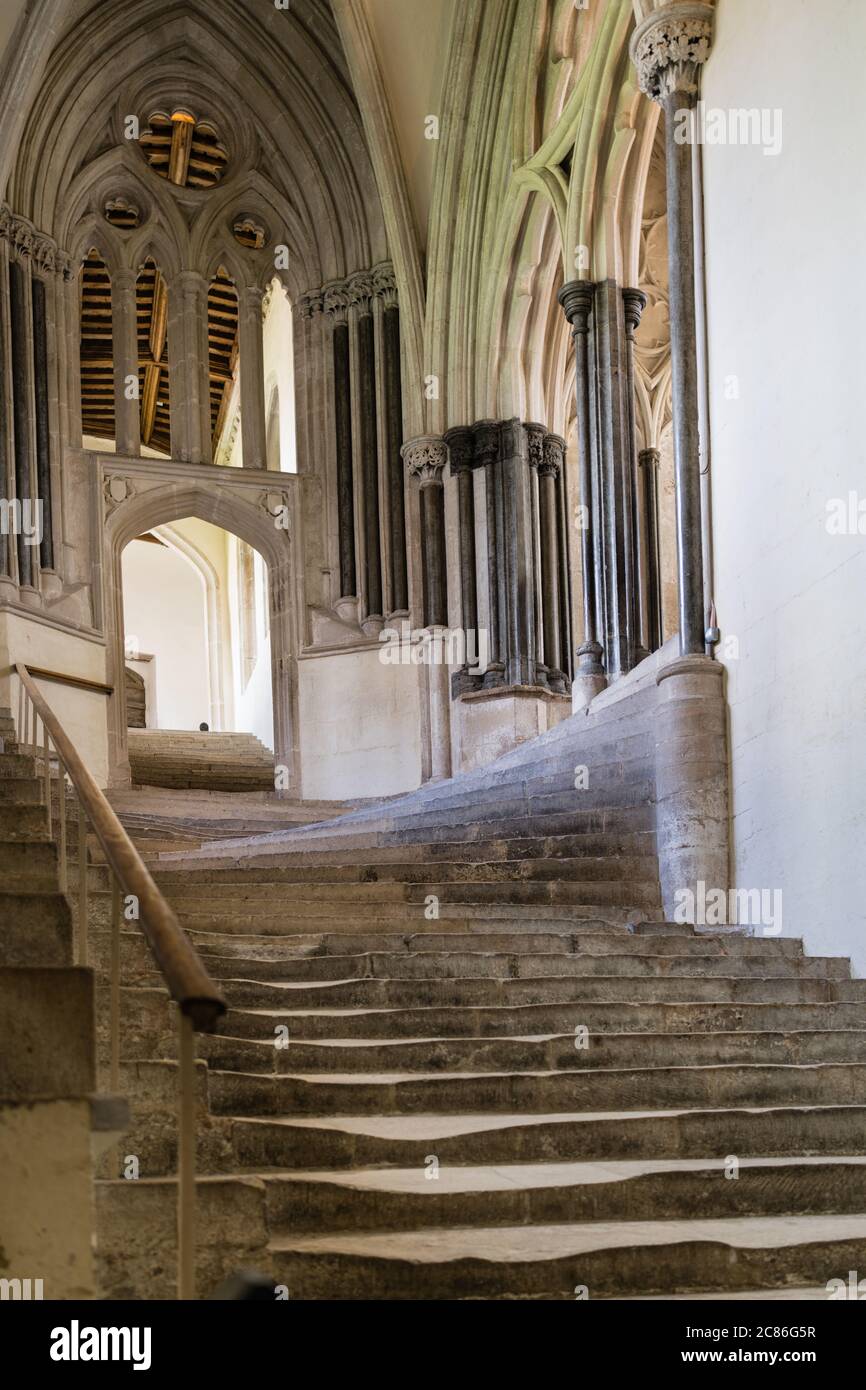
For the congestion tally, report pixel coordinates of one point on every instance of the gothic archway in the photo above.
(136, 514)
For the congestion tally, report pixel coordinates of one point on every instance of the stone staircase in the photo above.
(465, 1058)
(53, 1121)
(210, 761)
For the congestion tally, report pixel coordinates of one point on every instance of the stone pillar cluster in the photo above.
(614, 548)
(669, 49)
(520, 514)
(33, 279)
(363, 320)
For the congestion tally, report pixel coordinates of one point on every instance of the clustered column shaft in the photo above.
(30, 267)
(368, 426)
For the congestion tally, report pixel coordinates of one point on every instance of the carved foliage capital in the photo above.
(425, 458)
(670, 47)
(554, 456)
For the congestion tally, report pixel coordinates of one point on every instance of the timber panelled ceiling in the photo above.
(97, 360)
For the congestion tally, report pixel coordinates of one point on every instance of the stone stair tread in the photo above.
(459, 1178)
(432, 1127)
(533, 1243)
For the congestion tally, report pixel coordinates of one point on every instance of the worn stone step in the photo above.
(264, 898)
(553, 1052)
(552, 1261)
(524, 1020)
(20, 791)
(491, 871)
(524, 965)
(563, 941)
(400, 1199)
(408, 1140)
(35, 929)
(28, 866)
(589, 1088)
(23, 822)
(572, 846)
(410, 917)
(542, 990)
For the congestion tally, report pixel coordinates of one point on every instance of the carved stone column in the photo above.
(486, 437)
(19, 288)
(668, 50)
(549, 474)
(188, 368)
(336, 308)
(6, 463)
(634, 303)
(127, 415)
(42, 420)
(385, 287)
(648, 462)
(425, 459)
(461, 453)
(254, 446)
(576, 299)
(360, 291)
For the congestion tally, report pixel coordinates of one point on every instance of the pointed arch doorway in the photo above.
(224, 506)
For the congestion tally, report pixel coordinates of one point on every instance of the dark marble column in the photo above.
(519, 567)
(668, 50)
(5, 395)
(425, 459)
(397, 500)
(486, 436)
(549, 473)
(43, 438)
(461, 457)
(20, 334)
(576, 299)
(369, 459)
(385, 287)
(336, 306)
(634, 303)
(648, 460)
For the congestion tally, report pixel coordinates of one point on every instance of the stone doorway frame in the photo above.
(139, 495)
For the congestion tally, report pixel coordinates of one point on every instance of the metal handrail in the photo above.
(199, 1000)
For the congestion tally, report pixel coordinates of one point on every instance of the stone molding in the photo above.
(669, 48)
(29, 244)
(357, 290)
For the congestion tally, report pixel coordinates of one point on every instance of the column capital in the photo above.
(634, 303)
(554, 456)
(335, 300)
(577, 298)
(461, 449)
(487, 437)
(425, 458)
(535, 435)
(384, 284)
(360, 290)
(649, 458)
(669, 48)
(310, 304)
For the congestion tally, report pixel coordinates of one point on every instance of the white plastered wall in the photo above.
(786, 305)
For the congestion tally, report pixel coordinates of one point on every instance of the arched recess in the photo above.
(252, 524)
(210, 585)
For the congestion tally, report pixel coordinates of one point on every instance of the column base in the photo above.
(691, 772)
